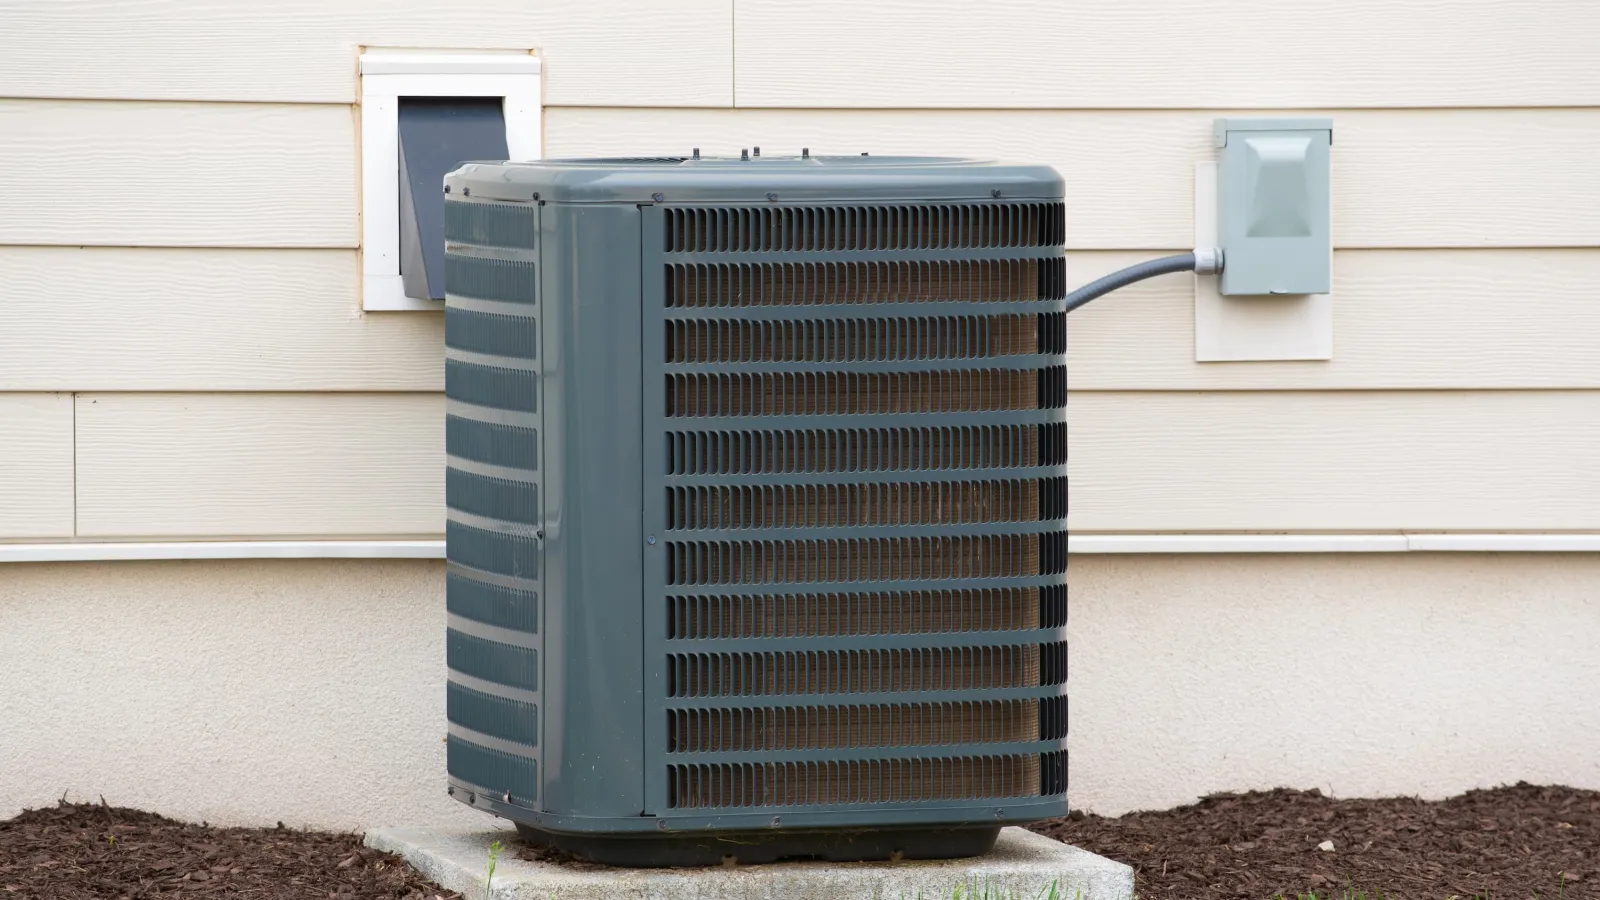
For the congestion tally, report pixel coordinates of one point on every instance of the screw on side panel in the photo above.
(758, 151)
(744, 155)
(805, 152)
(995, 193)
(447, 189)
(772, 197)
(658, 196)
(466, 192)
(697, 153)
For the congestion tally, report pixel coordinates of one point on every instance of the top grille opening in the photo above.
(932, 227)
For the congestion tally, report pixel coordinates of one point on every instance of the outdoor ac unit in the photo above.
(758, 497)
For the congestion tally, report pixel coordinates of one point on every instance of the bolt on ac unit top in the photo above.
(758, 495)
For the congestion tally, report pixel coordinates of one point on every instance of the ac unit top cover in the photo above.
(734, 180)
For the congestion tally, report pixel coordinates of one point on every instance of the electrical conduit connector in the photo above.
(1203, 261)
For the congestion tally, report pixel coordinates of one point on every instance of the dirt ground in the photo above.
(1510, 843)
(83, 851)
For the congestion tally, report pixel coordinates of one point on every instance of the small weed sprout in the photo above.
(494, 859)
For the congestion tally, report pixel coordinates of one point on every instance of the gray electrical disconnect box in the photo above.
(1273, 205)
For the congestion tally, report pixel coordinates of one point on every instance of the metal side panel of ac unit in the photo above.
(494, 488)
(593, 751)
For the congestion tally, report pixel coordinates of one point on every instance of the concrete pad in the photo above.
(1023, 866)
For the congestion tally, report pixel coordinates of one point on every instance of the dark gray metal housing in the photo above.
(757, 489)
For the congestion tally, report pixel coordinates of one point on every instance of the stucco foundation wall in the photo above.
(235, 692)
(1362, 674)
(312, 692)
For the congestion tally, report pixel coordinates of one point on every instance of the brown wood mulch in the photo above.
(1510, 843)
(81, 851)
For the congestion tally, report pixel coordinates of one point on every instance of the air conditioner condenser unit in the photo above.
(757, 504)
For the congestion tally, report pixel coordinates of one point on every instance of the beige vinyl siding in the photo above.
(178, 174)
(183, 251)
(1442, 319)
(1411, 178)
(183, 319)
(1337, 461)
(260, 465)
(215, 465)
(35, 465)
(247, 175)
(832, 53)
(1167, 54)
(171, 319)
(607, 52)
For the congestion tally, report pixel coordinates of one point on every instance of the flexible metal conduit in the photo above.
(1206, 262)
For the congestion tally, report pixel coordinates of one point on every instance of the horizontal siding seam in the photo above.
(44, 98)
(91, 245)
(1025, 110)
(1089, 544)
(1154, 249)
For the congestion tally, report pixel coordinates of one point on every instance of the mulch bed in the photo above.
(82, 851)
(1510, 843)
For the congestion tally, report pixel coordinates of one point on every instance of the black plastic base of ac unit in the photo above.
(757, 847)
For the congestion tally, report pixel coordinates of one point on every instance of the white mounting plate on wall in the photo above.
(1249, 329)
(388, 75)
